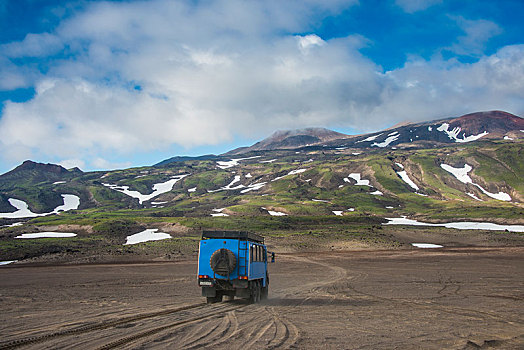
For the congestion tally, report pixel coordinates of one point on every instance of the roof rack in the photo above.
(248, 236)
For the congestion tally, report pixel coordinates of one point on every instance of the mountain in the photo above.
(497, 123)
(467, 128)
(33, 172)
(291, 139)
(35, 181)
(308, 182)
(290, 168)
(186, 158)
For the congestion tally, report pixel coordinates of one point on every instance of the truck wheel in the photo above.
(265, 290)
(216, 299)
(254, 296)
(264, 293)
(251, 298)
(257, 291)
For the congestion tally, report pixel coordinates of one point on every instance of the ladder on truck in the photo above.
(243, 247)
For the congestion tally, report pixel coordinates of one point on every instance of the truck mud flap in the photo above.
(243, 293)
(209, 291)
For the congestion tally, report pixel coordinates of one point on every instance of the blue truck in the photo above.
(233, 264)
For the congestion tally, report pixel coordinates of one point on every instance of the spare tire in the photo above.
(223, 261)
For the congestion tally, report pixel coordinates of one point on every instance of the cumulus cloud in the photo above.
(411, 6)
(440, 88)
(477, 34)
(72, 163)
(143, 76)
(33, 45)
(308, 41)
(103, 164)
(13, 76)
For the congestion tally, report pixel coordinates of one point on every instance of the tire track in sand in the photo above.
(256, 327)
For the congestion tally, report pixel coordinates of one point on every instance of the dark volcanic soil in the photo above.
(445, 298)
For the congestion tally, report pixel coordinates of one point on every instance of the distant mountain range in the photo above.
(403, 168)
(469, 127)
(291, 139)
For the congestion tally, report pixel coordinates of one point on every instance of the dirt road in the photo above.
(412, 299)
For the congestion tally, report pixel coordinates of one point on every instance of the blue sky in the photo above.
(108, 84)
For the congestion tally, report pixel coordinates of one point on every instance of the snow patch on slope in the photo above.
(357, 178)
(233, 162)
(71, 202)
(293, 172)
(404, 176)
(454, 134)
(370, 138)
(426, 245)
(462, 175)
(458, 225)
(386, 142)
(7, 262)
(46, 235)
(158, 189)
(472, 195)
(254, 187)
(274, 213)
(145, 236)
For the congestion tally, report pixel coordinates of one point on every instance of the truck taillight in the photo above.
(203, 276)
(242, 277)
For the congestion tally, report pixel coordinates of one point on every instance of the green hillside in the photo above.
(309, 186)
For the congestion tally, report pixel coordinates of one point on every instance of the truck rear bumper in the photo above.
(237, 287)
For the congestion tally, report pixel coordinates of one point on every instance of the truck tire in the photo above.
(216, 299)
(265, 290)
(223, 262)
(255, 292)
(258, 291)
(264, 293)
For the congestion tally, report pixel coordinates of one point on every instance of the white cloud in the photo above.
(227, 68)
(447, 88)
(72, 163)
(477, 34)
(411, 6)
(13, 76)
(103, 164)
(33, 45)
(307, 41)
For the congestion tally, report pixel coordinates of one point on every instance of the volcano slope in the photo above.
(333, 195)
(462, 298)
(330, 194)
